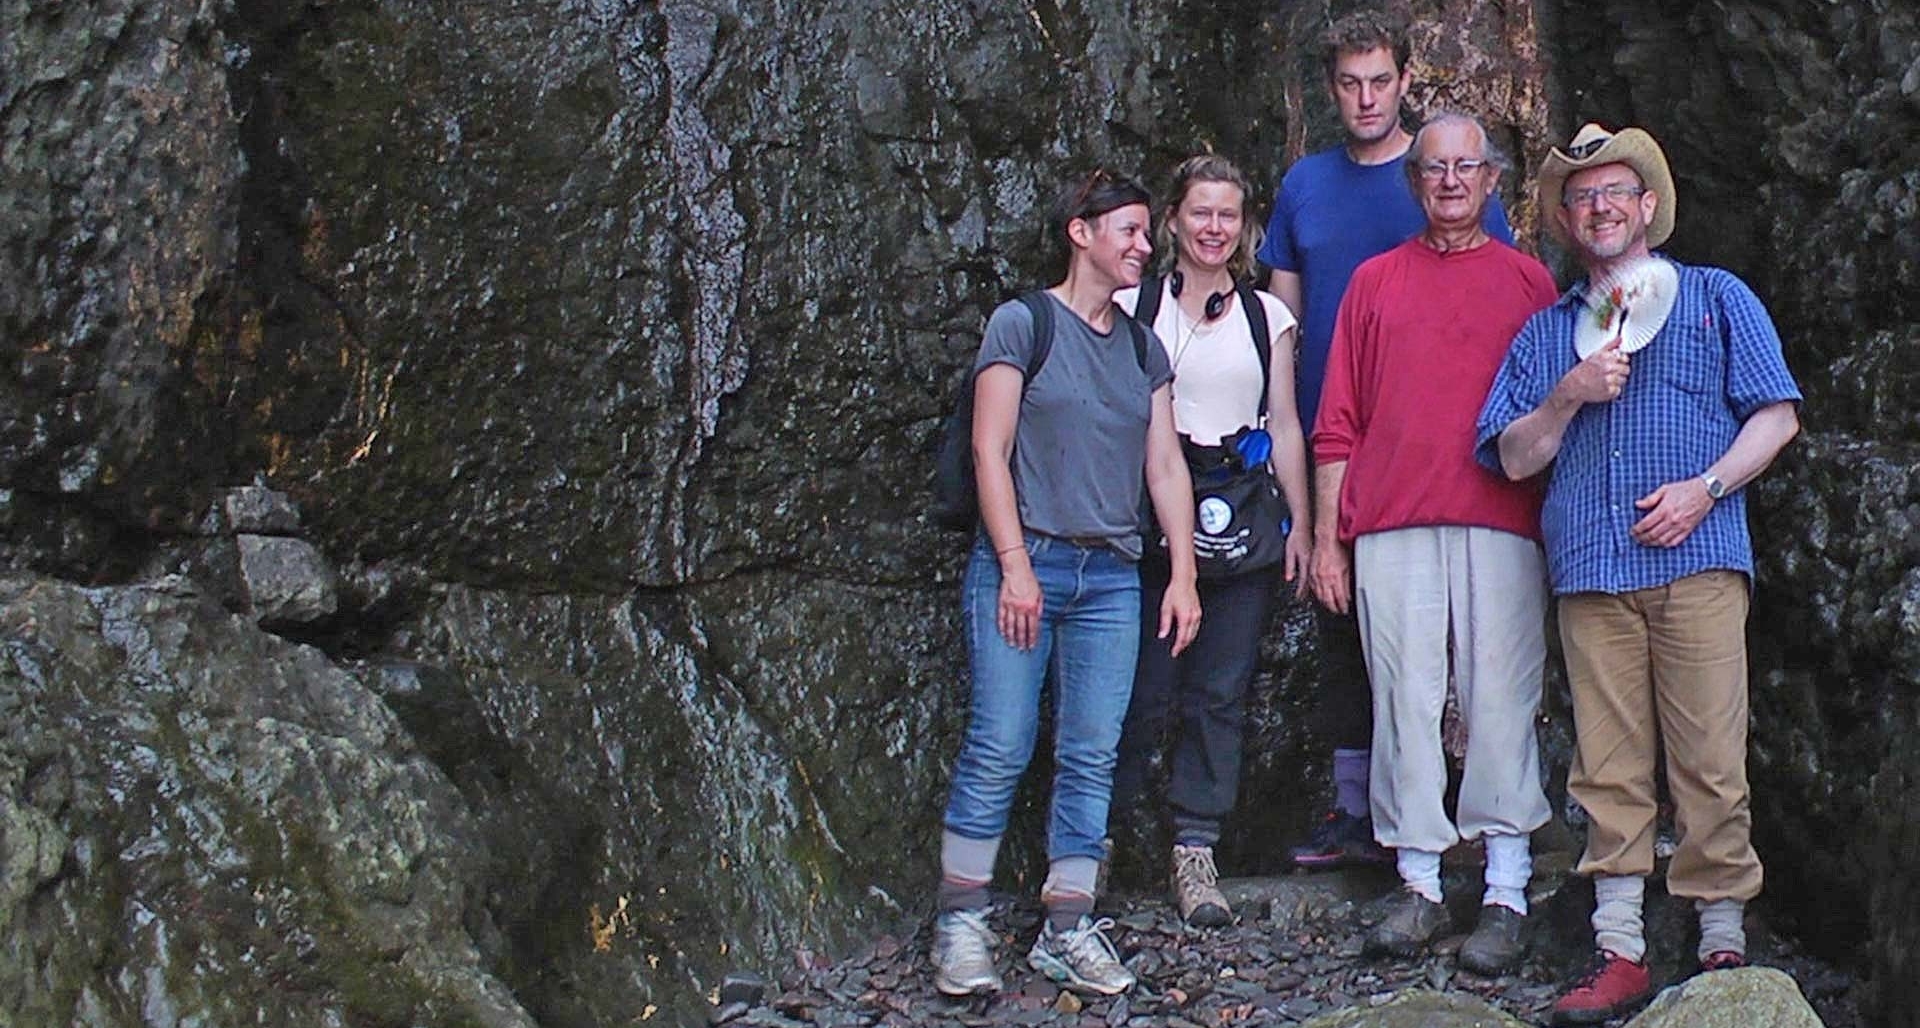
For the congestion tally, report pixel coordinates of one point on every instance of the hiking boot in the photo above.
(1495, 946)
(1411, 922)
(1723, 960)
(1196, 888)
(1081, 958)
(1611, 986)
(1339, 841)
(963, 954)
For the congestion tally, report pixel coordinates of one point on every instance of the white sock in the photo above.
(1722, 926)
(1617, 926)
(1420, 871)
(1509, 869)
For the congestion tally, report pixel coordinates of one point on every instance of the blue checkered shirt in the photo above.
(1715, 362)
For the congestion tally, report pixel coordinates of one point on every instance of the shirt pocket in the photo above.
(1689, 358)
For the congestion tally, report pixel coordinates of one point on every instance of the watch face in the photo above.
(1715, 487)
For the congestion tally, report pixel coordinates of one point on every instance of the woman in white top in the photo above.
(1217, 392)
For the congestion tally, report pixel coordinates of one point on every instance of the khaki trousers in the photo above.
(1664, 665)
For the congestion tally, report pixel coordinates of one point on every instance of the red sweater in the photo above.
(1418, 340)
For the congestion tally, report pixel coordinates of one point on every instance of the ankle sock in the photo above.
(1509, 869)
(966, 868)
(1722, 926)
(1617, 924)
(1419, 871)
(1068, 892)
(1350, 771)
(1195, 829)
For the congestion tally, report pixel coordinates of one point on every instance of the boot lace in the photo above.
(1194, 869)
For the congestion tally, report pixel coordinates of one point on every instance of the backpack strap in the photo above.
(1262, 344)
(1146, 310)
(1041, 308)
(1138, 328)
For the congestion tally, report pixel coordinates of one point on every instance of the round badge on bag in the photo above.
(1215, 515)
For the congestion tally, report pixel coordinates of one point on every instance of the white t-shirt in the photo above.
(1216, 373)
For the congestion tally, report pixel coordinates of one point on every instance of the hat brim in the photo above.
(1632, 147)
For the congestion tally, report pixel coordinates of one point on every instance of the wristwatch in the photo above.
(1715, 487)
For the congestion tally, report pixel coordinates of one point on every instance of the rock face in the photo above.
(192, 810)
(603, 347)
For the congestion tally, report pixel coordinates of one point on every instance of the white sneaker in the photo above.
(1081, 958)
(963, 954)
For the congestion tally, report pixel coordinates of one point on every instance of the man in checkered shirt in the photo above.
(1646, 536)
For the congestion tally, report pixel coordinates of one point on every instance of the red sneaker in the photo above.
(1723, 960)
(1610, 986)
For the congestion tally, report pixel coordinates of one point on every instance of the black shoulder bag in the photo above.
(1239, 517)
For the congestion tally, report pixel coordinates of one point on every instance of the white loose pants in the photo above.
(1472, 601)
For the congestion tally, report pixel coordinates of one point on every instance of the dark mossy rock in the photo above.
(603, 348)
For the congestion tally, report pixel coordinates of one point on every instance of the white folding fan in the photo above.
(1629, 304)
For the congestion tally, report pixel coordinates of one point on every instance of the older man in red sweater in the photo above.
(1445, 567)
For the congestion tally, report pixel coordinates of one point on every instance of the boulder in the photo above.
(1751, 997)
(287, 581)
(235, 826)
(1419, 1008)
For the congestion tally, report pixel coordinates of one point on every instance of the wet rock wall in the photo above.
(603, 345)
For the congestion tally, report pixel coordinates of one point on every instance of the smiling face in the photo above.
(1606, 228)
(1208, 224)
(1454, 198)
(1114, 246)
(1367, 88)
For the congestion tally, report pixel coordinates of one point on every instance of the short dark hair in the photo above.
(1362, 31)
(1091, 195)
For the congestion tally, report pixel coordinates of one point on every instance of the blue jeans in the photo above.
(1090, 636)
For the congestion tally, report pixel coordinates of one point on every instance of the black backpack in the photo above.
(956, 501)
(1148, 308)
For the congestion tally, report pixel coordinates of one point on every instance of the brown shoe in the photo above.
(1411, 923)
(1196, 888)
(1495, 945)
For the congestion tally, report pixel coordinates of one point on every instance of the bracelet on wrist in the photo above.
(1004, 550)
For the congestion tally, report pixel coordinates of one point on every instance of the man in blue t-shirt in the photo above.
(1335, 209)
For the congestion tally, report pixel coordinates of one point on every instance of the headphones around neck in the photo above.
(1216, 302)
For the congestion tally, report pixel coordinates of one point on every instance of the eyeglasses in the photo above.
(1615, 193)
(1462, 168)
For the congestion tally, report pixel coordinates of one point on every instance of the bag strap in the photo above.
(1041, 308)
(1147, 308)
(1138, 328)
(1262, 345)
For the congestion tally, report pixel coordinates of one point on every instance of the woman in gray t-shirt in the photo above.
(1052, 582)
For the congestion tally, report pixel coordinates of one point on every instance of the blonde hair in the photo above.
(1209, 167)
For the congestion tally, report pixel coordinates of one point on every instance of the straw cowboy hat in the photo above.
(1594, 146)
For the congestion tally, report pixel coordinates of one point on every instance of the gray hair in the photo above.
(1489, 150)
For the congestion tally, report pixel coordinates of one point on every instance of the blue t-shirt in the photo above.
(1330, 215)
(1714, 363)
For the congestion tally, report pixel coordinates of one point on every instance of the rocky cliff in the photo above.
(602, 346)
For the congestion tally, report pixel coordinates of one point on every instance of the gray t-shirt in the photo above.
(1081, 444)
